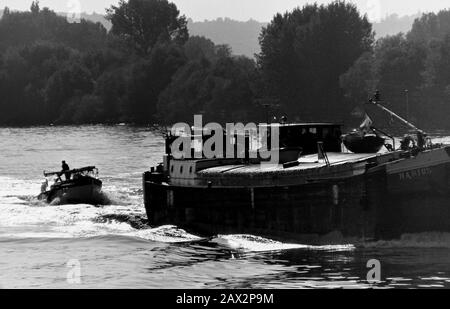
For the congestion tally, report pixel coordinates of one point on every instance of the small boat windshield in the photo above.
(72, 175)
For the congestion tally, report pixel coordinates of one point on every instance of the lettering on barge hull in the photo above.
(430, 180)
(411, 175)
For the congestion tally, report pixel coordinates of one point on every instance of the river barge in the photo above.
(328, 191)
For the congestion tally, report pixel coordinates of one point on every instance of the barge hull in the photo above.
(298, 213)
(361, 207)
(399, 196)
(414, 204)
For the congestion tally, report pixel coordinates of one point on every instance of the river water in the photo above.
(82, 246)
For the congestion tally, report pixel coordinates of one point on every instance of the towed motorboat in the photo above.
(359, 142)
(81, 186)
(366, 139)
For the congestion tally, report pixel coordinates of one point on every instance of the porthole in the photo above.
(181, 169)
(190, 170)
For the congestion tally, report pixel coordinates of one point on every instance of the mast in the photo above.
(376, 101)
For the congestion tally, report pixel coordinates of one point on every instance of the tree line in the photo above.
(411, 70)
(317, 63)
(145, 70)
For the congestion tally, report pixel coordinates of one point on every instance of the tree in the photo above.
(71, 80)
(35, 9)
(87, 109)
(111, 88)
(144, 23)
(25, 73)
(304, 53)
(230, 89)
(185, 95)
(198, 47)
(221, 90)
(360, 80)
(396, 68)
(399, 65)
(430, 26)
(435, 89)
(23, 28)
(148, 78)
(13, 79)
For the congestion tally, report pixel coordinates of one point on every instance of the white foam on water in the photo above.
(23, 216)
(12, 190)
(249, 243)
(118, 195)
(167, 234)
(66, 221)
(26, 217)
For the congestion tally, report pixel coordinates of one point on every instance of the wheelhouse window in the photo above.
(306, 136)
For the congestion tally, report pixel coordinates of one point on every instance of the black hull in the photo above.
(83, 191)
(300, 213)
(366, 144)
(415, 204)
(377, 205)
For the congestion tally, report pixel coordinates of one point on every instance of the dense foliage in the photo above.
(54, 71)
(317, 63)
(303, 54)
(143, 24)
(412, 70)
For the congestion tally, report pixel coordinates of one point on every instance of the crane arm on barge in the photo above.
(422, 139)
(376, 101)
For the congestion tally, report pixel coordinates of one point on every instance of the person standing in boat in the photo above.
(421, 139)
(44, 186)
(65, 170)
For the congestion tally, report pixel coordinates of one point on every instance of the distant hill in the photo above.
(394, 24)
(242, 37)
(96, 18)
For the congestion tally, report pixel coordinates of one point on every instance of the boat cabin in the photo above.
(298, 144)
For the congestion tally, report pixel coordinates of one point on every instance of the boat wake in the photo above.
(114, 195)
(250, 243)
(122, 214)
(101, 199)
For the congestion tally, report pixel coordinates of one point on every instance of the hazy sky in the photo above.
(261, 10)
